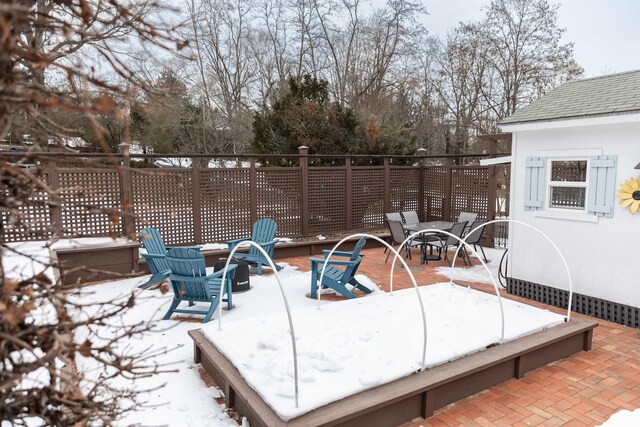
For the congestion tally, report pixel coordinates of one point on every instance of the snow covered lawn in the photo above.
(350, 346)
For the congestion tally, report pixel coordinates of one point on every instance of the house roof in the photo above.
(594, 97)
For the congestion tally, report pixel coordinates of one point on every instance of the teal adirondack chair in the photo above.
(336, 278)
(156, 251)
(190, 282)
(264, 231)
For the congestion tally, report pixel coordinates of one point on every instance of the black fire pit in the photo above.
(240, 282)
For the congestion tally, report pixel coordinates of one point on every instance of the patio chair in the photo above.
(410, 217)
(190, 282)
(156, 251)
(468, 217)
(264, 231)
(449, 242)
(393, 216)
(398, 235)
(334, 277)
(474, 237)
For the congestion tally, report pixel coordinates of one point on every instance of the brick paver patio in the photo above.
(582, 390)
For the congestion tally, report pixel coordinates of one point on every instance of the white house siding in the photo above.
(603, 256)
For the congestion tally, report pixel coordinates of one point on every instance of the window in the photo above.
(568, 184)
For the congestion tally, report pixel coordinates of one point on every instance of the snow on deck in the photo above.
(350, 346)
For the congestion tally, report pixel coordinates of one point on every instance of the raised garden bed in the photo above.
(104, 261)
(401, 392)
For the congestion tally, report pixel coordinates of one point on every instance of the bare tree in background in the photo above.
(228, 64)
(458, 80)
(74, 44)
(485, 71)
(56, 368)
(522, 38)
(272, 50)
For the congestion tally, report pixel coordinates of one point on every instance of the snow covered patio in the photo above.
(584, 389)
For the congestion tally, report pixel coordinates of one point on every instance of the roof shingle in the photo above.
(597, 96)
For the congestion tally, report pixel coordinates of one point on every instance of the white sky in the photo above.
(605, 33)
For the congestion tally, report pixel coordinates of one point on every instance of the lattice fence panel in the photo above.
(279, 199)
(435, 179)
(367, 198)
(162, 199)
(90, 202)
(327, 198)
(404, 188)
(226, 206)
(469, 191)
(33, 221)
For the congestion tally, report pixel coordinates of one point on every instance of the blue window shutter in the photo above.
(534, 183)
(602, 185)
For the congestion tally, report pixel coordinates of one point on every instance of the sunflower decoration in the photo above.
(629, 194)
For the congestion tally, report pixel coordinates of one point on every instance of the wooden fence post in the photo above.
(253, 191)
(196, 202)
(492, 193)
(303, 150)
(55, 202)
(446, 203)
(126, 193)
(421, 211)
(348, 188)
(387, 185)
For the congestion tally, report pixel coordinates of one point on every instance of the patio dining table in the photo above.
(438, 225)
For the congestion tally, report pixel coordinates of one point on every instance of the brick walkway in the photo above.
(582, 390)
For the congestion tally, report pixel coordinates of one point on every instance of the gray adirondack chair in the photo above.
(336, 278)
(156, 251)
(190, 283)
(264, 231)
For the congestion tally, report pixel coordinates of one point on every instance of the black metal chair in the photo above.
(444, 245)
(468, 217)
(410, 217)
(393, 216)
(398, 236)
(475, 236)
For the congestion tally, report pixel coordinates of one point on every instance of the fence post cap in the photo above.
(422, 151)
(303, 148)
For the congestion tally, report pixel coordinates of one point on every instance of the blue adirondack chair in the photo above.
(190, 282)
(336, 278)
(264, 231)
(156, 251)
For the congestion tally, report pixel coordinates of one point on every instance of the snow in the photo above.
(27, 259)
(624, 418)
(362, 343)
(379, 333)
(184, 399)
(476, 273)
(185, 162)
(224, 246)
